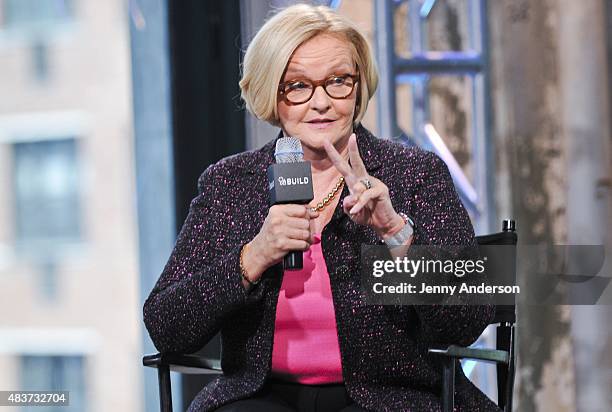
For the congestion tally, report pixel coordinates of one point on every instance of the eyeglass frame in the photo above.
(315, 84)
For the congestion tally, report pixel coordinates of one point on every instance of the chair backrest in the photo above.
(503, 260)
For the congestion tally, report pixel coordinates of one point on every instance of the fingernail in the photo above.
(353, 210)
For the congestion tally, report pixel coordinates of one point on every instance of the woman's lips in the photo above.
(320, 124)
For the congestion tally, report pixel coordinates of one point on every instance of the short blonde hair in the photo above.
(270, 50)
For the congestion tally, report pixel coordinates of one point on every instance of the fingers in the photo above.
(349, 202)
(286, 228)
(353, 172)
(293, 244)
(278, 223)
(297, 223)
(355, 203)
(370, 194)
(343, 167)
(357, 165)
(338, 161)
(293, 236)
(287, 222)
(298, 234)
(312, 213)
(363, 200)
(290, 210)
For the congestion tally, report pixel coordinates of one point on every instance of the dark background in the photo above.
(208, 120)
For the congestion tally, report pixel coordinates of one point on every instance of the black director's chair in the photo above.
(503, 355)
(505, 318)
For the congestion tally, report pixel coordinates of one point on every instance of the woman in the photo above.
(306, 340)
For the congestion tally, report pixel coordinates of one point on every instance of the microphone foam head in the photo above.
(289, 150)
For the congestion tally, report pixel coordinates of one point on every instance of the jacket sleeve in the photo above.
(200, 284)
(441, 219)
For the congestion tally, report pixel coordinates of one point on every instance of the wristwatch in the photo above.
(404, 234)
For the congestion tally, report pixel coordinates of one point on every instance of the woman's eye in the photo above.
(297, 85)
(337, 80)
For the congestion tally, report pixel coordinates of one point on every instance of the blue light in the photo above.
(426, 8)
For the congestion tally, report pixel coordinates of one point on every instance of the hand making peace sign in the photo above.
(369, 202)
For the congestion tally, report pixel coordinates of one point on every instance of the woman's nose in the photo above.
(320, 101)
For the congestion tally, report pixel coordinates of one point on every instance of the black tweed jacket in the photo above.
(385, 364)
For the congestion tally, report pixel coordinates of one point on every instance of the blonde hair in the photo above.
(270, 50)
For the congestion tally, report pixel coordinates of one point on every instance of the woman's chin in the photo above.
(315, 141)
(315, 146)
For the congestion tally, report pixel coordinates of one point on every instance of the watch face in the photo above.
(403, 235)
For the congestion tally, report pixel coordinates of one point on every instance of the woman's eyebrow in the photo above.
(331, 71)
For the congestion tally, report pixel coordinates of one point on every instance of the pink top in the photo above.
(306, 346)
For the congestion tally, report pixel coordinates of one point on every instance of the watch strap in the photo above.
(404, 234)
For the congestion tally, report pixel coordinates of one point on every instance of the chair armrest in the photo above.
(459, 352)
(181, 363)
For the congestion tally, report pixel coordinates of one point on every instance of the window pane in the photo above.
(31, 12)
(46, 191)
(55, 373)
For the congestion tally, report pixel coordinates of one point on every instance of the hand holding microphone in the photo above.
(285, 233)
(286, 229)
(290, 182)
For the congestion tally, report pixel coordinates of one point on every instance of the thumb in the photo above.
(312, 214)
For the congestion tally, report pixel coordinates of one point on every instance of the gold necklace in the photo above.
(321, 205)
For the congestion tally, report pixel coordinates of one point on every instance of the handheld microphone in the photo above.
(290, 181)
